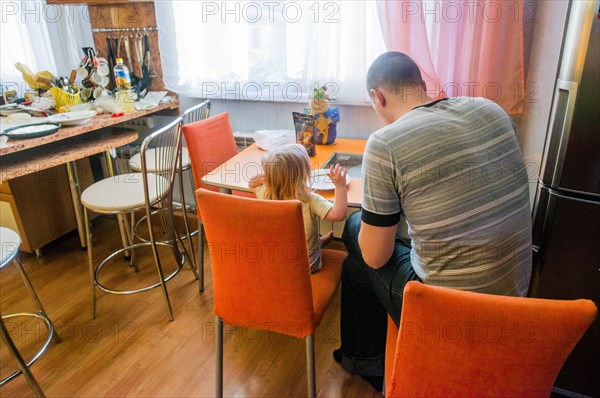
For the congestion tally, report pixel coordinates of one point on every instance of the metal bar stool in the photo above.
(127, 193)
(9, 249)
(190, 115)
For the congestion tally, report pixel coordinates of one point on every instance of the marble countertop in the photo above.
(56, 153)
(11, 146)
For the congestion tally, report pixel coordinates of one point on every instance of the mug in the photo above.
(105, 81)
(98, 92)
(102, 67)
(82, 72)
(86, 93)
(97, 78)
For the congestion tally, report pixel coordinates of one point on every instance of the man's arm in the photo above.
(380, 204)
(376, 244)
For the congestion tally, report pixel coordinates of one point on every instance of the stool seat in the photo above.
(121, 192)
(9, 245)
(136, 161)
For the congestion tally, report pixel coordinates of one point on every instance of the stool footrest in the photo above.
(51, 333)
(142, 289)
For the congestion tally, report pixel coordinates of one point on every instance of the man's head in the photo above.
(395, 85)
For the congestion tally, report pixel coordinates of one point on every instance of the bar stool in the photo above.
(127, 193)
(190, 115)
(9, 249)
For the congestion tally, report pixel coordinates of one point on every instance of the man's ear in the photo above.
(378, 97)
(424, 85)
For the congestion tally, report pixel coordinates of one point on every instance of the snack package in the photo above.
(304, 125)
(326, 125)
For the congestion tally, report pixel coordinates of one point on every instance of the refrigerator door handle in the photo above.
(563, 196)
(560, 128)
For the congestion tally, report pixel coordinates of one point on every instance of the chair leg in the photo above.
(201, 255)
(34, 296)
(219, 370)
(19, 359)
(88, 236)
(163, 284)
(185, 219)
(131, 237)
(310, 366)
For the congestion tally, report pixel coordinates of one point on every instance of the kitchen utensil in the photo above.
(72, 77)
(98, 92)
(72, 118)
(31, 130)
(86, 93)
(19, 118)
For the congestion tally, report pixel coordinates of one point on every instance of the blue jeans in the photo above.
(368, 295)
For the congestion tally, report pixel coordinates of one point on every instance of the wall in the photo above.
(544, 32)
(356, 121)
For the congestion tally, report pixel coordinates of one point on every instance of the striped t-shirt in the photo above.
(453, 168)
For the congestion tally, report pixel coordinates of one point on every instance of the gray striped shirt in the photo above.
(454, 169)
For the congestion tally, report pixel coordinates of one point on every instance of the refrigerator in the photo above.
(566, 211)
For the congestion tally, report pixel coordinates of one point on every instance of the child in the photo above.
(287, 176)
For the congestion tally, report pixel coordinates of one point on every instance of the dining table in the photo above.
(21, 157)
(236, 173)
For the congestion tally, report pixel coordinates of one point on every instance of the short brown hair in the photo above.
(392, 71)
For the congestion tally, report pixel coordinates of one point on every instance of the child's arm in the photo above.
(255, 182)
(338, 212)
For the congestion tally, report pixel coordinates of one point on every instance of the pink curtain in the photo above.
(472, 49)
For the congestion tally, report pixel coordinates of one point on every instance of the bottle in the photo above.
(122, 77)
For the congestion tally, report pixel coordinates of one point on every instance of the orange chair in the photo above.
(462, 344)
(261, 272)
(210, 143)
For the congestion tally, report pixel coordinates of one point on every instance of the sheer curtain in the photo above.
(472, 48)
(43, 37)
(268, 51)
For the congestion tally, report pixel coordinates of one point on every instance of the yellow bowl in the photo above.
(62, 98)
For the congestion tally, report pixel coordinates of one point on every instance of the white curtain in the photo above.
(43, 37)
(268, 51)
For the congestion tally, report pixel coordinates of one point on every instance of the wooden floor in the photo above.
(131, 349)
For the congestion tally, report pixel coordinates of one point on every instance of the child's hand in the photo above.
(337, 174)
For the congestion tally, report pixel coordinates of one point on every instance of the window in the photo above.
(268, 51)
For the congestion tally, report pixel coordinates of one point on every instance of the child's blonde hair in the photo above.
(287, 173)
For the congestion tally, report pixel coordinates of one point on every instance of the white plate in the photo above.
(72, 118)
(321, 182)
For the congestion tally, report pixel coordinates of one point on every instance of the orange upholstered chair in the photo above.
(210, 143)
(261, 272)
(462, 344)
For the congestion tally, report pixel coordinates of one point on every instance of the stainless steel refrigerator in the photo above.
(566, 212)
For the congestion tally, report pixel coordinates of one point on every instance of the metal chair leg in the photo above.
(19, 359)
(185, 217)
(201, 255)
(131, 237)
(310, 366)
(88, 235)
(34, 296)
(163, 284)
(219, 370)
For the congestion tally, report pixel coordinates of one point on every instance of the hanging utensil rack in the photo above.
(124, 30)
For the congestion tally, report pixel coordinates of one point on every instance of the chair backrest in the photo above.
(210, 143)
(166, 145)
(196, 113)
(455, 343)
(260, 266)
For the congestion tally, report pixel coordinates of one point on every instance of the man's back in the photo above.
(458, 172)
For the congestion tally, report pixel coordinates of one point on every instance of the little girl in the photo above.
(287, 176)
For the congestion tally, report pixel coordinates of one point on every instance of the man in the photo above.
(453, 168)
